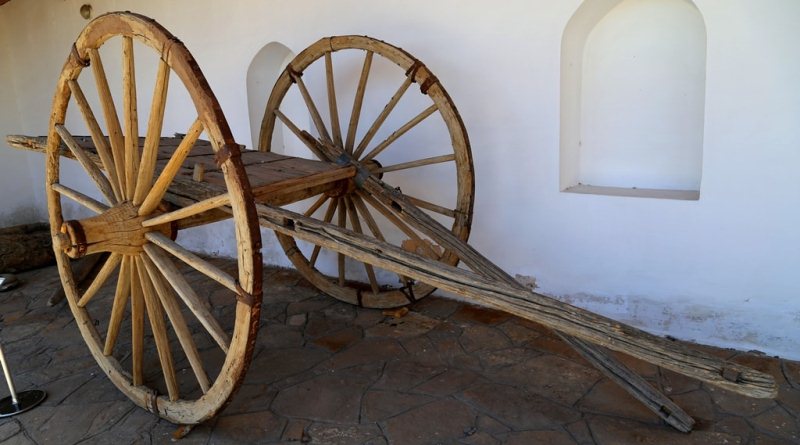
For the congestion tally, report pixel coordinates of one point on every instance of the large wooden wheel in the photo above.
(387, 158)
(185, 367)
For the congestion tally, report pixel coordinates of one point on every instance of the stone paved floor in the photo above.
(328, 373)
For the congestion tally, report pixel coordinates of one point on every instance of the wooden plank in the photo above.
(276, 179)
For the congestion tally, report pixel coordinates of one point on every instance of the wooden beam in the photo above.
(496, 294)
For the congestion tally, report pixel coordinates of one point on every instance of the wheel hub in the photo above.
(118, 229)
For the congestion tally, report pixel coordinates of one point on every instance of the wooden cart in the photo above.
(153, 188)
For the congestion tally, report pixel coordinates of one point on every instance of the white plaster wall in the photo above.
(642, 97)
(721, 270)
(18, 201)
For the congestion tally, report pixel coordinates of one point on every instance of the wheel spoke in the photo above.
(317, 204)
(334, 110)
(193, 260)
(300, 135)
(110, 112)
(365, 213)
(100, 141)
(372, 225)
(357, 103)
(120, 301)
(312, 108)
(90, 203)
(130, 117)
(174, 164)
(354, 221)
(382, 116)
(91, 168)
(340, 256)
(328, 218)
(394, 219)
(102, 276)
(191, 210)
(137, 325)
(153, 136)
(431, 206)
(178, 322)
(400, 131)
(155, 314)
(418, 163)
(188, 295)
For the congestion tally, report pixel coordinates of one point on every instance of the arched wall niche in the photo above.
(633, 99)
(262, 73)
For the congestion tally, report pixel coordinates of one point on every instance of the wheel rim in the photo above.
(142, 258)
(361, 209)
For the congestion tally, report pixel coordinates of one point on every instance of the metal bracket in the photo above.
(429, 82)
(225, 153)
(412, 70)
(362, 174)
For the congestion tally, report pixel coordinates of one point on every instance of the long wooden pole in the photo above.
(542, 309)
(635, 385)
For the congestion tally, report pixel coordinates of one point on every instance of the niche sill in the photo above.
(683, 195)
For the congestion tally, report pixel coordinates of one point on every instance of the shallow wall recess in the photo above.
(633, 99)
(262, 73)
